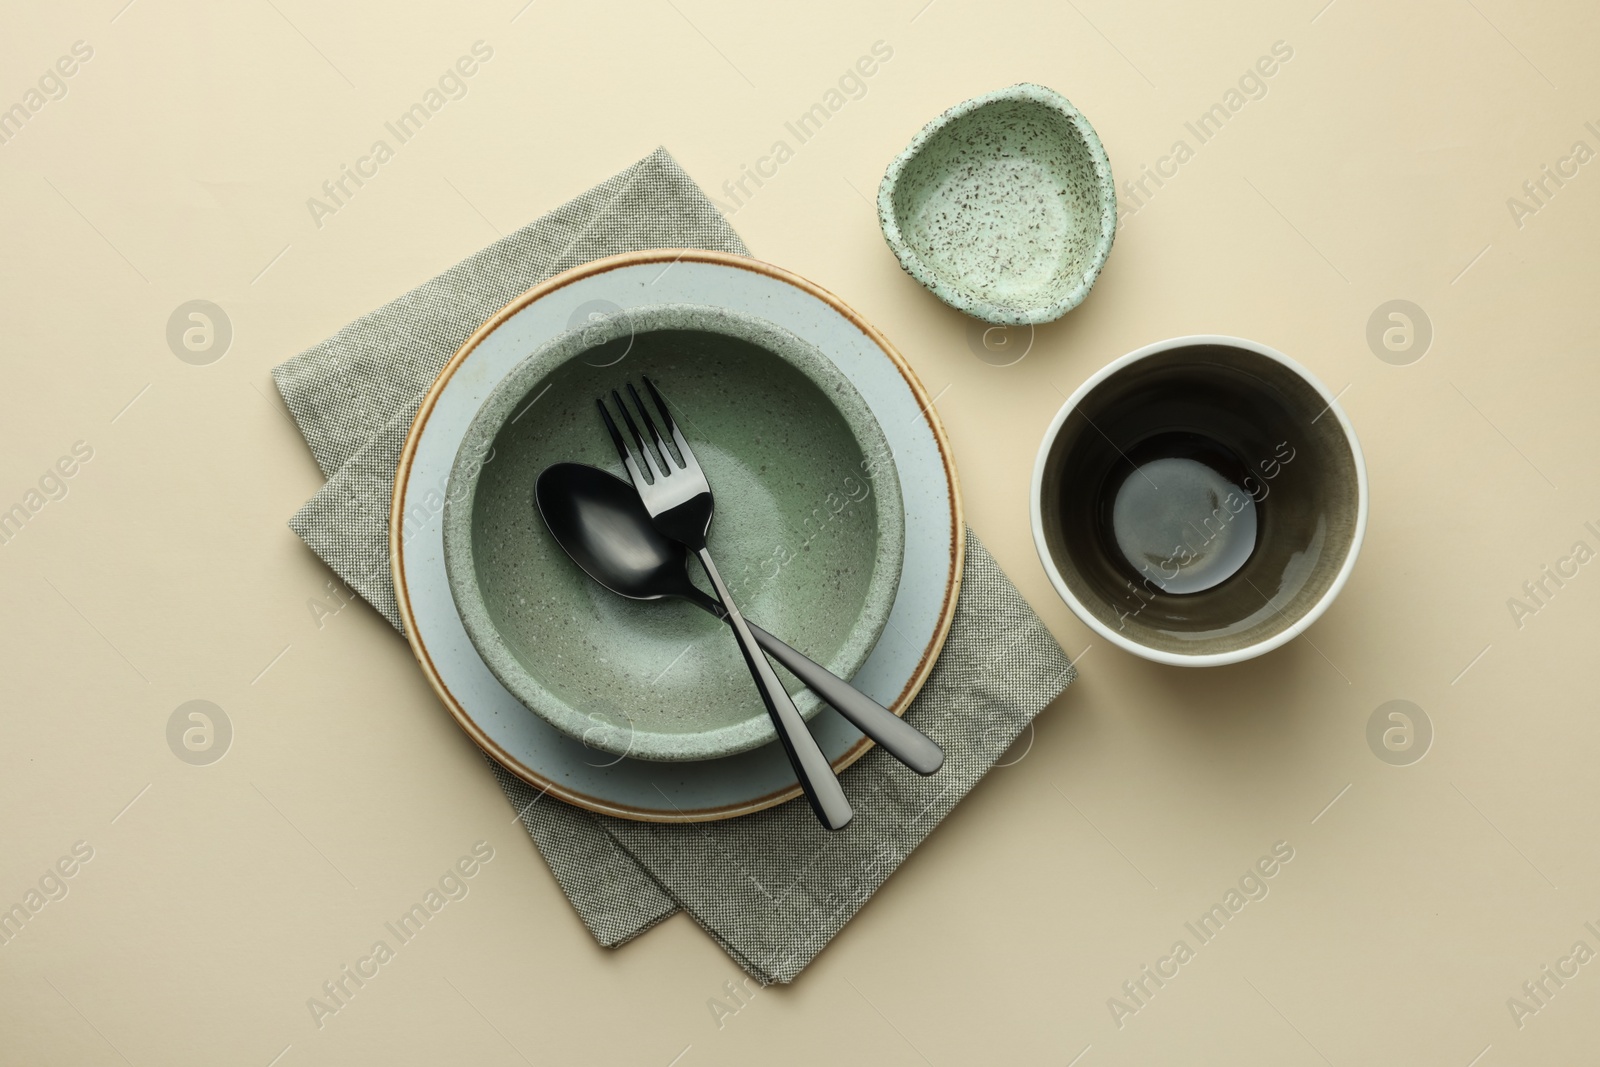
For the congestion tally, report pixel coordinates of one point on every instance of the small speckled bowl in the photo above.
(1003, 206)
(809, 531)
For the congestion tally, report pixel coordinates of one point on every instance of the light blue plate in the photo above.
(530, 747)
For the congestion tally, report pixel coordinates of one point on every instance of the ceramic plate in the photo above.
(530, 747)
(808, 531)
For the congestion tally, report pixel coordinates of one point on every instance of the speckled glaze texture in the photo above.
(809, 531)
(1003, 206)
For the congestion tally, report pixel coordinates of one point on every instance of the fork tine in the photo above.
(634, 474)
(644, 449)
(616, 436)
(672, 424)
(644, 413)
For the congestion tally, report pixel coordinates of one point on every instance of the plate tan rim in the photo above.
(397, 507)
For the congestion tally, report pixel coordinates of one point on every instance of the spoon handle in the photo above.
(817, 780)
(903, 741)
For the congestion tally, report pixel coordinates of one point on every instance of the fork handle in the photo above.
(893, 734)
(817, 780)
(899, 738)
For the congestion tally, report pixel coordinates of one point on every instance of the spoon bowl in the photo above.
(599, 520)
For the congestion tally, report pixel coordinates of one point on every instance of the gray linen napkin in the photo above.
(772, 888)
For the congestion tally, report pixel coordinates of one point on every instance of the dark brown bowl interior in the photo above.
(1195, 442)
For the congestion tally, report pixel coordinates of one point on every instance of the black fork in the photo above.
(678, 497)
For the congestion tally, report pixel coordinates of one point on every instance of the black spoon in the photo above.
(599, 521)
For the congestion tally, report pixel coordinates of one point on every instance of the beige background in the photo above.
(1378, 166)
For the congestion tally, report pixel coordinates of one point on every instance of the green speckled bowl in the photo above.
(1003, 206)
(809, 531)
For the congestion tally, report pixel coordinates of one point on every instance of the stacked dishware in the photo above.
(563, 585)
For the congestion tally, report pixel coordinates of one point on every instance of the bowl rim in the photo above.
(507, 396)
(958, 298)
(1210, 659)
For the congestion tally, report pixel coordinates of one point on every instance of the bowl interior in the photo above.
(807, 534)
(1004, 204)
(1200, 500)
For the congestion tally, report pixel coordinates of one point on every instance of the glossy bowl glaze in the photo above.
(1200, 501)
(1003, 206)
(808, 530)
